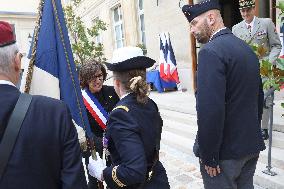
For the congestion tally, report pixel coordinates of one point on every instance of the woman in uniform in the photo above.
(134, 128)
(99, 100)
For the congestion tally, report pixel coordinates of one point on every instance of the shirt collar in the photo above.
(252, 23)
(5, 82)
(124, 95)
(217, 32)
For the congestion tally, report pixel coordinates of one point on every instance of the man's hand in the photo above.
(213, 171)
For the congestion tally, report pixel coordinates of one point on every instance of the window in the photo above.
(118, 27)
(141, 26)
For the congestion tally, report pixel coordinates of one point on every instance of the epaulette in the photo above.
(121, 107)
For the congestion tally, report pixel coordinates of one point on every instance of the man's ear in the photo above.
(17, 64)
(116, 82)
(210, 19)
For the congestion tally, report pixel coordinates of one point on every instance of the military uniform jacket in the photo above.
(229, 100)
(131, 134)
(47, 152)
(263, 33)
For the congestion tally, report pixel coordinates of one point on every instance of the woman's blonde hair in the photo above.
(134, 81)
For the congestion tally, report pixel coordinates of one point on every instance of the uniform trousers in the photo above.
(235, 174)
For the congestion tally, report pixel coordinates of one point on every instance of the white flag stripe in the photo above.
(45, 84)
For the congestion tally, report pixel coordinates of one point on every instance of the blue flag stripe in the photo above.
(54, 56)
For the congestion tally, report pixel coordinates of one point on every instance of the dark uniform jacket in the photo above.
(229, 100)
(47, 152)
(132, 131)
(108, 98)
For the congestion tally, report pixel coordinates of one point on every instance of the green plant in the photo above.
(280, 6)
(82, 38)
(272, 75)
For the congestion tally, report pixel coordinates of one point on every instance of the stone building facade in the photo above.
(133, 22)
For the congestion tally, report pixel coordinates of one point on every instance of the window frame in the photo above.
(118, 23)
(140, 31)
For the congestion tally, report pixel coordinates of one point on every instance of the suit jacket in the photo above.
(132, 132)
(229, 100)
(47, 152)
(263, 33)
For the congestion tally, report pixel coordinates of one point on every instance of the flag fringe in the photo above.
(33, 56)
(68, 64)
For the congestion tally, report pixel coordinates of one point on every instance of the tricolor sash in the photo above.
(95, 108)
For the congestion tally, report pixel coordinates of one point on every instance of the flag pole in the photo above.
(193, 55)
(34, 45)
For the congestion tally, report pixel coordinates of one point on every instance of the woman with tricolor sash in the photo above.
(99, 100)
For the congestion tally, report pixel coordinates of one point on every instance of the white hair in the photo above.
(7, 55)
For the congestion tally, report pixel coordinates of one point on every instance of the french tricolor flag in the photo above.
(167, 61)
(51, 71)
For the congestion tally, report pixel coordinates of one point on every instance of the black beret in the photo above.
(129, 58)
(192, 11)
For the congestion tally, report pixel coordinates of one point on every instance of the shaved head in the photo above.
(205, 25)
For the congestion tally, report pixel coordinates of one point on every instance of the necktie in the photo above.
(249, 28)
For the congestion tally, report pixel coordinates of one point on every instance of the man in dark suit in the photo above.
(229, 101)
(46, 154)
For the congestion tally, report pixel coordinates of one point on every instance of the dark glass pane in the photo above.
(141, 4)
(116, 15)
(142, 22)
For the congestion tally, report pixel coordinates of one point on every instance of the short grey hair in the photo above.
(7, 55)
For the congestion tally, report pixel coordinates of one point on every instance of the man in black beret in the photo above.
(228, 101)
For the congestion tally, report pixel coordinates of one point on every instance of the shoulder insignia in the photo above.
(121, 107)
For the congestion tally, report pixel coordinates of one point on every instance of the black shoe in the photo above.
(264, 133)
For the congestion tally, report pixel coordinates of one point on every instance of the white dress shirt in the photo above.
(5, 82)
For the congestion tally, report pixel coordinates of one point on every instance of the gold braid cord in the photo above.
(115, 179)
(33, 56)
(68, 62)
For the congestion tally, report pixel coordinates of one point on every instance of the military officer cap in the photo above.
(192, 11)
(7, 36)
(246, 4)
(129, 58)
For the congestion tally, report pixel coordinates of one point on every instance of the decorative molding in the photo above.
(18, 13)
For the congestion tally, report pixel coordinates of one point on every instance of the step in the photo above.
(185, 130)
(179, 143)
(184, 145)
(191, 121)
(179, 116)
(173, 132)
(267, 181)
(277, 157)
